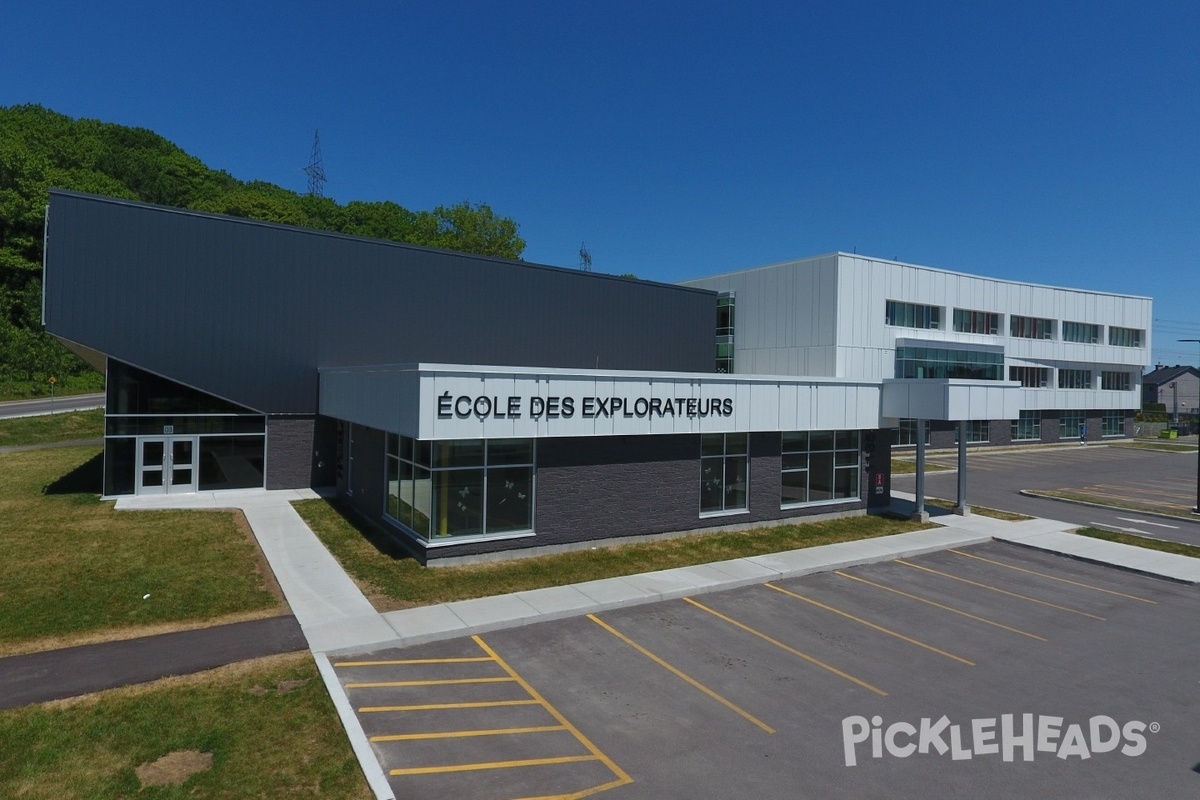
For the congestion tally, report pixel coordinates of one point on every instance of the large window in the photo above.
(977, 431)
(819, 466)
(913, 315)
(1028, 427)
(725, 308)
(472, 487)
(1074, 379)
(967, 321)
(1030, 377)
(724, 472)
(1113, 423)
(1071, 424)
(907, 433)
(1125, 337)
(1030, 327)
(1084, 332)
(1115, 381)
(941, 362)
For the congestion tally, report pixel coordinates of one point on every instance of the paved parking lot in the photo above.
(1055, 678)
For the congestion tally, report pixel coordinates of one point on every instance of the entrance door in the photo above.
(166, 464)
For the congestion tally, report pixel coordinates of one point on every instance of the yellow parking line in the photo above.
(405, 737)
(440, 682)
(402, 662)
(447, 706)
(792, 650)
(680, 674)
(936, 604)
(997, 589)
(872, 625)
(527, 762)
(622, 776)
(1052, 577)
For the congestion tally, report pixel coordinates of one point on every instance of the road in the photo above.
(996, 478)
(44, 405)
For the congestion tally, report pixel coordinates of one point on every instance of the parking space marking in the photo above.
(438, 682)
(872, 625)
(407, 661)
(936, 604)
(680, 674)
(792, 650)
(411, 737)
(622, 777)
(1053, 577)
(525, 762)
(447, 706)
(998, 589)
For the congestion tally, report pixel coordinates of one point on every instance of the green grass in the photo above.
(1154, 444)
(908, 466)
(74, 568)
(269, 725)
(395, 581)
(84, 383)
(52, 428)
(1178, 548)
(1074, 495)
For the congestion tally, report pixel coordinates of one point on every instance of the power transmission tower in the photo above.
(585, 258)
(316, 172)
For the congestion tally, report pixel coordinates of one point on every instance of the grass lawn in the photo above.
(76, 570)
(392, 580)
(1171, 509)
(52, 428)
(907, 465)
(268, 727)
(1142, 541)
(1154, 444)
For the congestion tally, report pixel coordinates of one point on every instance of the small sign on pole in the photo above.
(53, 380)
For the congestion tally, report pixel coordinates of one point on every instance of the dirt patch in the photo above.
(284, 687)
(174, 768)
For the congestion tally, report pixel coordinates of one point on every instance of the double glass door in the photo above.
(166, 464)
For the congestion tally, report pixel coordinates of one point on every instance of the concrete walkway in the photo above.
(336, 618)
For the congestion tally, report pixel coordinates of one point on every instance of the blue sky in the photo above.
(1053, 142)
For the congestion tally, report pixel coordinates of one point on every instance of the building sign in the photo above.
(535, 407)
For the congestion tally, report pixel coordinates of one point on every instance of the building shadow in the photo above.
(87, 478)
(387, 543)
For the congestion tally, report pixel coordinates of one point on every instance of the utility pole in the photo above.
(315, 171)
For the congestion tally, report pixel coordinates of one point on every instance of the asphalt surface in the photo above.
(72, 671)
(996, 478)
(33, 408)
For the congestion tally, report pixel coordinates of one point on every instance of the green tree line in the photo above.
(41, 149)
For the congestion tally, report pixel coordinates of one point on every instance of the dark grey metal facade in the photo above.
(248, 311)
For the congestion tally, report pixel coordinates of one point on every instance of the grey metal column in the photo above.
(962, 508)
(921, 514)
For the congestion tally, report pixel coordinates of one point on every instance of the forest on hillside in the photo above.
(41, 149)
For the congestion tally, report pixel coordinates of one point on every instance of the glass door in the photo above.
(166, 464)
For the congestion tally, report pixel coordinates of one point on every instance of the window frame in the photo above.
(724, 461)
(842, 443)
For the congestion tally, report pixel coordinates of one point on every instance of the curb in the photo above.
(1089, 504)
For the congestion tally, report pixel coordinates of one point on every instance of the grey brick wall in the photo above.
(289, 452)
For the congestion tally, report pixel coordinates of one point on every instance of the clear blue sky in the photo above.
(1053, 142)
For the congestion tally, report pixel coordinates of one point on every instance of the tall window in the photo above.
(1084, 332)
(1074, 379)
(1115, 381)
(913, 315)
(724, 472)
(939, 362)
(977, 431)
(469, 487)
(1030, 327)
(1030, 377)
(819, 466)
(1070, 423)
(1125, 337)
(1113, 423)
(1028, 427)
(967, 321)
(725, 306)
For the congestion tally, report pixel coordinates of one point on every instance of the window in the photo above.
(1084, 332)
(1115, 381)
(966, 321)
(1030, 327)
(907, 434)
(1125, 337)
(913, 315)
(819, 466)
(1028, 427)
(470, 487)
(1030, 377)
(1113, 423)
(940, 362)
(1074, 379)
(1070, 422)
(724, 473)
(977, 431)
(725, 307)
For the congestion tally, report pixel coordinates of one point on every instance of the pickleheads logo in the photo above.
(982, 737)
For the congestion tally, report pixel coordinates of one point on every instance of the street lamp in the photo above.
(1196, 508)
